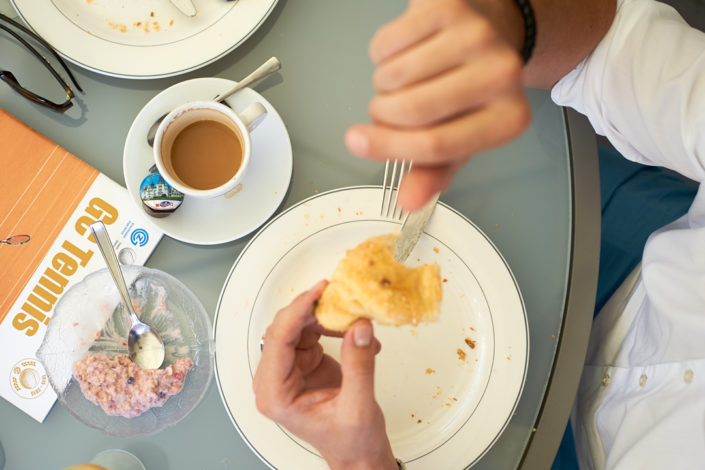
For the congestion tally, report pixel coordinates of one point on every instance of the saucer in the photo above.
(225, 218)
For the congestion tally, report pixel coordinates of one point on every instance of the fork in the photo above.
(390, 188)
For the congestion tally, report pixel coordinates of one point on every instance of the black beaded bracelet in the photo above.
(527, 12)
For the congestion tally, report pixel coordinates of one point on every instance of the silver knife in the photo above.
(412, 228)
(185, 6)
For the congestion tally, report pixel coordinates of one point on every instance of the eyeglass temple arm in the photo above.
(44, 43)
(42, 59)
(10, 79)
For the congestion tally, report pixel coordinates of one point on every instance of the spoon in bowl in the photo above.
(144, 344)
(270, 66)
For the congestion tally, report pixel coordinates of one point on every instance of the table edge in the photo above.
(581, 290)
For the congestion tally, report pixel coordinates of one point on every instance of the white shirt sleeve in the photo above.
(644, 88)
(639, 403)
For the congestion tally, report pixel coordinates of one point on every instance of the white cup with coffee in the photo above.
(203, 148)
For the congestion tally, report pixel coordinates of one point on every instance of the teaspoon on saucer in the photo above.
(144, 344)
(270, 66)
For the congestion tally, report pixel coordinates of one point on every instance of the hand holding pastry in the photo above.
(330, 405)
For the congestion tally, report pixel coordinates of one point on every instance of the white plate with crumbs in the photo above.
(447, 389)
(145, 38)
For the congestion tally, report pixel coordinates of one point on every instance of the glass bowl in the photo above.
(91, 318)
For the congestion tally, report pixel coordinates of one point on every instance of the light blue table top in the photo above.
(520, 195)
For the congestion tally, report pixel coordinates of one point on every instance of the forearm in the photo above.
(567, 31)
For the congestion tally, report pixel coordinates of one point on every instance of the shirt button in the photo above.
(688, 376)
(642, 380)
(605, 380)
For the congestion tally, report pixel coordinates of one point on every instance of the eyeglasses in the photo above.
(7, 76)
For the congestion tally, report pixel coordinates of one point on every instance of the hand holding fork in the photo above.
(449, 85)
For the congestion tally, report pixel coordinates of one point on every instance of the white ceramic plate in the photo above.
(445, 402)
(221, 219)
(143, 38)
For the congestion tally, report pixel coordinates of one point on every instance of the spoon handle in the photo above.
(100, 233)
(270, 66)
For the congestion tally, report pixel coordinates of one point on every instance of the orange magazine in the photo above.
(52, 196)
(42, 184)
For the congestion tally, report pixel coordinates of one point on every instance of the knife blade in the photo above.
(412, 228)
(185, 6)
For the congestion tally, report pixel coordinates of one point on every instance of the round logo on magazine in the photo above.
(28, 379)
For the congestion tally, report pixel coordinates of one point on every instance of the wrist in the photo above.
(387, 462)
(506, 18)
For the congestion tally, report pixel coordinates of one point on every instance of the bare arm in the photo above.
(568, 30)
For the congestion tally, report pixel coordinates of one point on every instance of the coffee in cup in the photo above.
(203, 148)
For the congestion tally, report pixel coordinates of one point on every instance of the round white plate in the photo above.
(221, 219)
(445, 402)
(143, 38)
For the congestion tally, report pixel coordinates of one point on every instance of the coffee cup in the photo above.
(203, 148)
